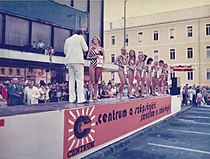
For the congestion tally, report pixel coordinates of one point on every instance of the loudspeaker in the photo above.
(175, 90)
(175, 81)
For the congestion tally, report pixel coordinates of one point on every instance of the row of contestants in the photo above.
(150, 76)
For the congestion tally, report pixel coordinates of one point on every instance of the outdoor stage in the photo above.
(63, 130)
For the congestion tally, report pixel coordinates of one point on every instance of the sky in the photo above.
(113, 9)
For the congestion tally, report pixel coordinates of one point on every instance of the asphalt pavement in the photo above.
(184, 136)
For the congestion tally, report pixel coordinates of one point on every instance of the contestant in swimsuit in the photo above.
(140, 64)
(121, 63)
(97, 57)
(154, 77)
(165, 78)
(131, 68)
(148, 76)
(160, 76)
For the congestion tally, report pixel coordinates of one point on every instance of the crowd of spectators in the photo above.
(195, 95)
(20, 92)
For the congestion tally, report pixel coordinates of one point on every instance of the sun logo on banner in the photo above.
(81, 127)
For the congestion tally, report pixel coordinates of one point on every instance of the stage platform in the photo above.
(28, 109)
(63, 130)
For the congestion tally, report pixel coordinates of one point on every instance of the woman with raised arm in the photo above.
(97, 57)
(131, 69)
(121, 63)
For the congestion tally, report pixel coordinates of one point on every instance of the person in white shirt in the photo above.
(40, 45)
(31, 94)
(73, 49)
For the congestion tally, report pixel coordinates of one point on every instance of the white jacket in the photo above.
(73, 49)
(31, 95)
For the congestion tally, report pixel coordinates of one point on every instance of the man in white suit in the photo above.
(73, 49)
(31, 94)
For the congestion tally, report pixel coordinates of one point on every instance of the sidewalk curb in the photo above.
(111, 149)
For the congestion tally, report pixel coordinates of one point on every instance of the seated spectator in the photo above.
(40, 46)
(34, 46)
(110, 93)
(104, 93)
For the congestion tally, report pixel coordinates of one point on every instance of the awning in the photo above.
(182, 68)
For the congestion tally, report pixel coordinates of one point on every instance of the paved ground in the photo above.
(186, 136)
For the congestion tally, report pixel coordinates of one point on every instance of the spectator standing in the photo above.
(3, 95)
(190, 94)
(34, 46)
(31, 94)
(15, 93)
(21, 92)
(3, 91)
(53, 94)
(42, 92)
(73, 49)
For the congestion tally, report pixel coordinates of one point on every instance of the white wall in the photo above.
(32, 136)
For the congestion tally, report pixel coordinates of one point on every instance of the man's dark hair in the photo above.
(78, 32)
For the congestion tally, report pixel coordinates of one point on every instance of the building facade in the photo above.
(24, 22)
(179, 37)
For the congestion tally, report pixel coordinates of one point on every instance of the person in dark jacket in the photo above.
(15, 93)
(53, 94)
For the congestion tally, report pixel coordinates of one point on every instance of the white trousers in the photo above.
(76, 73)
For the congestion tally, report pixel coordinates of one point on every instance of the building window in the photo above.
(112, 76)
(172, 54)
(172, 33)
(207, 51)
(172, 74)
(189, 31)
(207, 29)
(155, 55)
(155, 35)
(126, 39)
(10, 71)
(140, 37)
(189, 75)
(112, 58)
(189, 53)
(110, 25)
(18, 72)
(112, 40)
(17, 31)
(2, 71)
(208, 73)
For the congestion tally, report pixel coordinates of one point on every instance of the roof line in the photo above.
(158, 23)
(66, 6)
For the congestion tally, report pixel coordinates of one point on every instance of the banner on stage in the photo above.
(88, 127)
